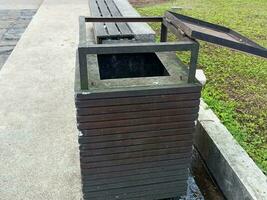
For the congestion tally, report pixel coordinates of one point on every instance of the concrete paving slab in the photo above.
(38, 135)
(20, 4)
(12, 25)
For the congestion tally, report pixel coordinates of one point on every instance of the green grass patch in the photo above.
(236, 88)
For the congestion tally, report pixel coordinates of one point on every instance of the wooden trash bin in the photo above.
(136, 122)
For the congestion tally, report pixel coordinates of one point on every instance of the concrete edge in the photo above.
(236, 174)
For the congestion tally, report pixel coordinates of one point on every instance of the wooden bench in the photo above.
(106, 32)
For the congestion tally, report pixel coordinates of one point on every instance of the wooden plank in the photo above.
(167, 194)
(134, 148)
(132, 122)
(182, 162)
(123, 27)
(91, 176)
(135, 160)
(183, 173)
(128, 182)
(136, 100)
(140, 92)
(136, 135)
(139, 128)
(141, 190)
(111, 27)
(138, 107)
(99, 29)
(171, 195)
(131, 142)
(138, 154)
(136, 115)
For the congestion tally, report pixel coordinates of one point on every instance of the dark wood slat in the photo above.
(134, 155)
(135, 148)
(141, 190)
(145, 165)
(136, 100)
(139, 128)
(111, 27)
(130, 142)
(131, 161)
(91, 176)
(174, 194)
(141, 92)
(99, 29)
(99, 185)
(168, 193)
(135, 160)
(136, 115)
(183, 173)
(136, 135)
(132, 122)
(185, 146)
(138, 107)
(181, 162)
(123, 27)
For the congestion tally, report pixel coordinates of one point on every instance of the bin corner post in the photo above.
(163, 33)
(83, 68)
(193, 62)
(82, 54)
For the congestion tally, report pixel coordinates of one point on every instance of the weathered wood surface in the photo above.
(133, 172)
(138, 107)
(139, 147)
(135, 135)
(133, 122)
(136, 100)
(107, 31)
(135, 115)
(136, 141)
(135, 92)
(140, 191)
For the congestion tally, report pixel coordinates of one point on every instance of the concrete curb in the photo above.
(234, 171)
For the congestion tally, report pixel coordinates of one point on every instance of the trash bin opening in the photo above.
(130, 65)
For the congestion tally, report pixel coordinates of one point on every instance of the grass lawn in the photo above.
(237, 83)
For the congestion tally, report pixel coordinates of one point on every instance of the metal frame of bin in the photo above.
(85, 48)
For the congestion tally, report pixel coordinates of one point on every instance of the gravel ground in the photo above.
(12, 25)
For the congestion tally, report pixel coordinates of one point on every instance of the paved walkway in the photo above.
(38, 134)
(12, 25)
(20, 4)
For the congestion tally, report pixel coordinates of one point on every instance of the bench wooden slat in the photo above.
(111, 27)
(123, 27)
(99, 28)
